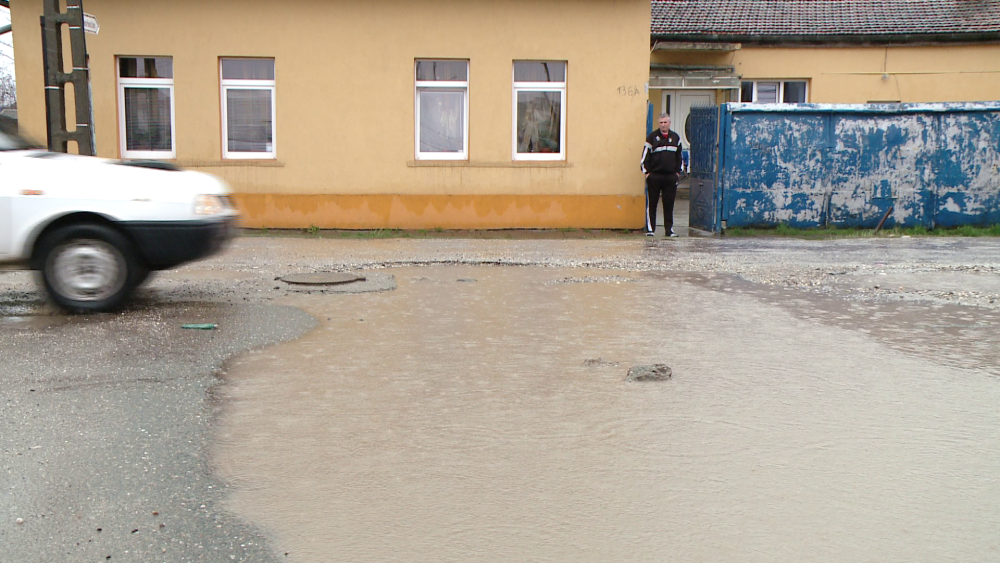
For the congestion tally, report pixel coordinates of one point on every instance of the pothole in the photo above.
(654, 372)
(339, 282)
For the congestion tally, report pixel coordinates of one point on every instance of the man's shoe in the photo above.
(649, 233)
(672, 233)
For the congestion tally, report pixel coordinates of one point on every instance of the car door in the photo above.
(5, 219)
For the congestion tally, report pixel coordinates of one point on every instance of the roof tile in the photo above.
(824, 17)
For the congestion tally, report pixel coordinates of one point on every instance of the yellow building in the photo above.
(379, 114)
(821, 51)
(476, 114)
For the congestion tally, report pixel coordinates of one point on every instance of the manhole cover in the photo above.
(322, 278)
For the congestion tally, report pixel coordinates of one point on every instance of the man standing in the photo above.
(661, 161)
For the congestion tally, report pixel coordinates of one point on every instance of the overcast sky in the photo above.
(6, 50)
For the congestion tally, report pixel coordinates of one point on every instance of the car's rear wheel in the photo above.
(88, 268)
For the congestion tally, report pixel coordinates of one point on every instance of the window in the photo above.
(442, 110)
(248, 108)
(539, 110)
(773, 91)
(146, 107)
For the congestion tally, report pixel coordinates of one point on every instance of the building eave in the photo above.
(694, 46)
(827, 39)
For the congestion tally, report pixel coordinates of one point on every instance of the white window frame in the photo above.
(241, 84)
(781, 88)
(461, 86)
(144, 83)
(559, 87)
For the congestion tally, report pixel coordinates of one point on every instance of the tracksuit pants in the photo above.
(657, 186)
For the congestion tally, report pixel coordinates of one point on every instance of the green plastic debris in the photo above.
(201, 326)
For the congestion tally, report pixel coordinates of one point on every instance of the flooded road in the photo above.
(480, 413)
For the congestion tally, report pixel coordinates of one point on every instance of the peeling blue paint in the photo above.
(812, 165)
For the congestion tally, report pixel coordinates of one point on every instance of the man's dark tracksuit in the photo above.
(661, 159)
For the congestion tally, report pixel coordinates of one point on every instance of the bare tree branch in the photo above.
(8, 90)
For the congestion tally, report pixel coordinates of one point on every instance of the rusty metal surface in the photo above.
(813, 165)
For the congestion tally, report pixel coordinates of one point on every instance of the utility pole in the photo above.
(56, 78)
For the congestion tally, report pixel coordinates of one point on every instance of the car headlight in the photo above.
(206, 204)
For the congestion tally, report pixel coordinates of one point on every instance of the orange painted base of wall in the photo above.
(386, 211)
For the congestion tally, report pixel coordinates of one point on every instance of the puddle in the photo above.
(490, 421)
(32, 322)
(945, 334)
(980, 282)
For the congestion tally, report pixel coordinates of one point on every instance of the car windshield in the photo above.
(10, 141)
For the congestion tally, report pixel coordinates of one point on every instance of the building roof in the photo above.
(824, 20)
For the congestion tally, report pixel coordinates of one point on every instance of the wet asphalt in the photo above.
(103, 428)
(106, 420)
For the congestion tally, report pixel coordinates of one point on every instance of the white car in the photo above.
(95, 228)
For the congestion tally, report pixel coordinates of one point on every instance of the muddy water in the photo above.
(457, 419)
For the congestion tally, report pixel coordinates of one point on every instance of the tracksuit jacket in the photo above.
(662, 153)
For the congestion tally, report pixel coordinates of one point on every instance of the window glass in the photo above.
(531, 71)
(442, 121)
(145, 67)
(442, 109)
(795, 93)
(539, 110)
(247, 69)
(453, 71)
(767, 92)
(248, 98)
(248, 120)
(772, 92)
(147, 119)
(146, 107)
(539, 122)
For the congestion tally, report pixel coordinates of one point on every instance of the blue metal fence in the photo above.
(812, 165)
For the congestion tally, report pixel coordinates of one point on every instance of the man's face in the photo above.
(665, 125)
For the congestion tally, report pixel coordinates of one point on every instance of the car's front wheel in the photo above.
(88, 268)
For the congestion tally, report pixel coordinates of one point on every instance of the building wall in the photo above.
(905, 74)
(940, 73)
(345, 105)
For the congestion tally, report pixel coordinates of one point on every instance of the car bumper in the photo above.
(164, 244)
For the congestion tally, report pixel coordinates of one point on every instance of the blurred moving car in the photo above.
(95, 228)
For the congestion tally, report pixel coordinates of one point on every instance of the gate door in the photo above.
(704, 137)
